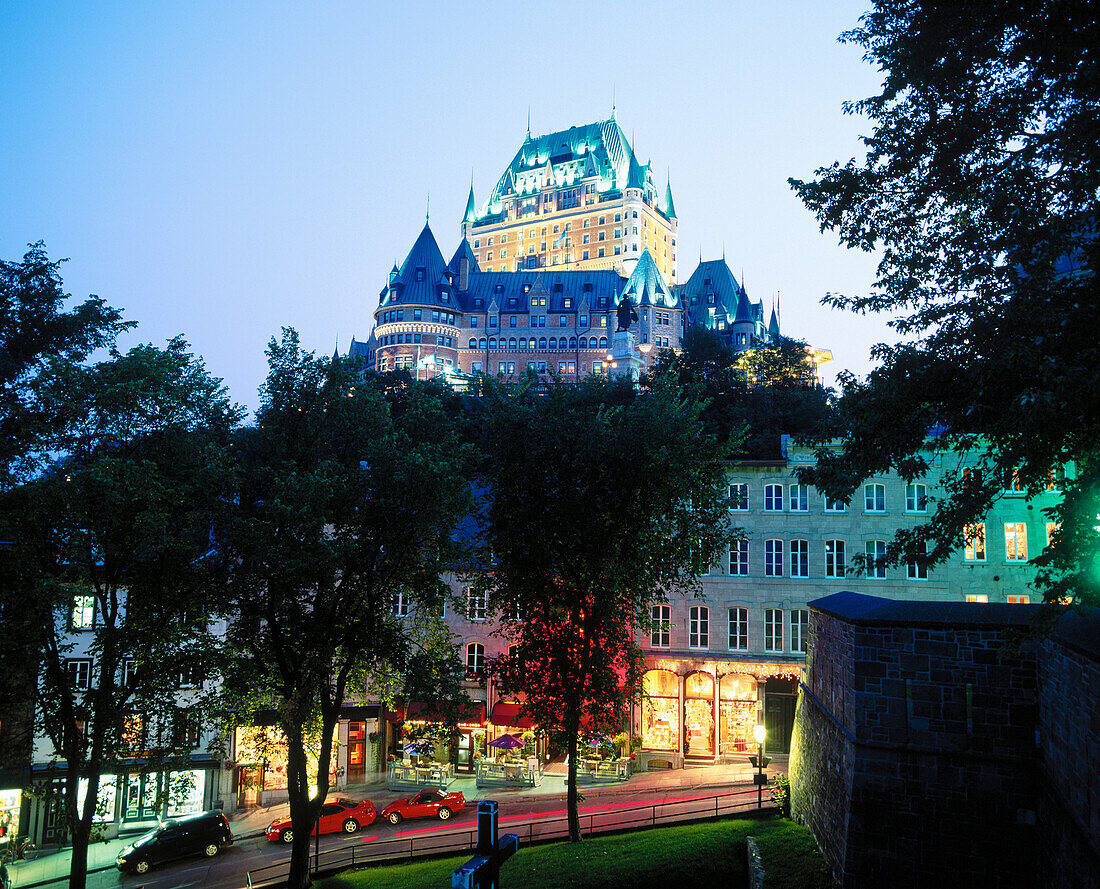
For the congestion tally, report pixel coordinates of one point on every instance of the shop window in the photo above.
(661, 710)
(737, 713)
(661, 617)
(876, 555)
(699, 714)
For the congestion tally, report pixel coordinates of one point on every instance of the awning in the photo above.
(506, 713)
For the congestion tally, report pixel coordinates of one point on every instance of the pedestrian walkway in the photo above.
(52, 866)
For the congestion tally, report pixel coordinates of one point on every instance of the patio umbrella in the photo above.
(506, 742)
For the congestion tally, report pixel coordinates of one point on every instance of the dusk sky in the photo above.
(223, 169)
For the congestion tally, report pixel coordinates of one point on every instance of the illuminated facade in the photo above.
(574, 199)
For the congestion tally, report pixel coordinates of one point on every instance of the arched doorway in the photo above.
(736, 713)
(661, 710)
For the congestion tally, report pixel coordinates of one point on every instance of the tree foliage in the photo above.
(980, 188)
(598, 503)
(108, 556)
(753, 397)
(349, 492)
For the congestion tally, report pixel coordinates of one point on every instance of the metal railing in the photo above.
(537, 830)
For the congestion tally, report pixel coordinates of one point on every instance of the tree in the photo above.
(598, 502)
(980, 186)
(108, 556)
(350, 490)
(33, 328)
(754, 396)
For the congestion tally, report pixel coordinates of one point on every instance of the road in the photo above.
(521, 816)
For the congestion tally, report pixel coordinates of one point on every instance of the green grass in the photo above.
(706, 854)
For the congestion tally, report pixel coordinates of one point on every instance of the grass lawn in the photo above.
(705, 854)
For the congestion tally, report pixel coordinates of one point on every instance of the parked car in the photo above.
(345, 815)
(425, 804)
(205, 833)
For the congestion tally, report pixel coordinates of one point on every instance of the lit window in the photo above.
(401, 604)
(975, 597)
(739, 558)
(800, 630)
(475, 604)
(698, 626)
(799, 502)
(876, 554)
(133, 731)
(661, 616)
(773, 557)
(475, 657)
(974, 536)
(773, 629)
(739, 497)
(834, 558)
(874, 497)
(83, 616)
(1016, 541)
(1052, 531)
(738, 629)
(800, 558)
(916, 497)
(773, 498)
(1017, 600)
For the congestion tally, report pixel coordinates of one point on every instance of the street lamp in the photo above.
(759, 779)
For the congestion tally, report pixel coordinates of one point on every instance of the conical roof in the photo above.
(471, 209)
(669, 208)
(646, 286)
(421, 273)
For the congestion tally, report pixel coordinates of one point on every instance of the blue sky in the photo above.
(223, 169)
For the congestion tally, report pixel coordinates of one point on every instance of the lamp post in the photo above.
(760, 779)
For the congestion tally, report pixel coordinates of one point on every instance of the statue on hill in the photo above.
(626, 313)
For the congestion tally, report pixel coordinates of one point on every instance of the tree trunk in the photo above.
(302, 813)
(82, 826)
(571, 800)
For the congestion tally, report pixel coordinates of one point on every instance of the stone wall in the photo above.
(914, 760)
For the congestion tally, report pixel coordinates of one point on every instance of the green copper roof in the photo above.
(597, 149)
(669, 208)
(471, 210)
(646, 287)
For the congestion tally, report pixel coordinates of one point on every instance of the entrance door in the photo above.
(464, 762)
(356, 752)
(250, 784)
(779, 721)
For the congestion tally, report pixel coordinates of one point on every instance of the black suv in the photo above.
(205, 832)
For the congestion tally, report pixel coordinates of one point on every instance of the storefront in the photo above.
(505, 717)
(426, 723)
(260, 766)
(10, 807)
(707, 710)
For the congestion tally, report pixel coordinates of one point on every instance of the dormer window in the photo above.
(557, 287)
(588, 287)
(568, 303)
(710, 299)
(478, 303)
(420, 273)
(706, 282)
(498, 288)
(526, 288)
(445, 296)
(511, 302)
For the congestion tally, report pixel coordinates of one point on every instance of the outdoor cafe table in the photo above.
(408, 775)
(502, 772)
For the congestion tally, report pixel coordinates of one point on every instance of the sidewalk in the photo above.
(53, 866)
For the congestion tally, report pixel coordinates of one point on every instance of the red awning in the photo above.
(506, 713)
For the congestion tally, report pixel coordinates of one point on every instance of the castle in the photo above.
(573, 225)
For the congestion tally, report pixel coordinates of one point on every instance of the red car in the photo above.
(345, 815)
(425, 804)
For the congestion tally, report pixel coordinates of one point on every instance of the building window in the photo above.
(832, 505)
(1017, 600)
(1052, 531)
(83, 615)
(977, 597)
(475, 658)
(916, 497)
(739, 558)
(876, 558)
(874, 497)
(401, 604)
(800, 558)
(834, 558)
(773, 557)
(739, 497)
(800, 630)
(773, 629)
(133, 731)
(475, 604)
(79, 671)
(698, 626)
(1016, 541)
(799, 501)
(773, 498)
(661, 615)
(917, 570)
(190, 677)
(129, 673)
(974, 542)
(738, 629)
